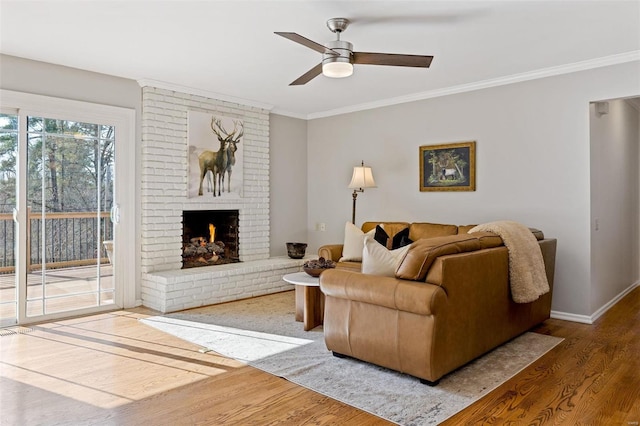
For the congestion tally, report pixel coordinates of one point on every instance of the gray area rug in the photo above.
(262, 332)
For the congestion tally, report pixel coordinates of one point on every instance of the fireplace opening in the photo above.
(209, 237)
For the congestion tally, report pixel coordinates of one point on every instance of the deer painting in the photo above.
(220, 162)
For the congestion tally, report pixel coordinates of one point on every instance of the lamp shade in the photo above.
(362, 178)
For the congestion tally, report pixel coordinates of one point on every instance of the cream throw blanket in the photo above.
(527, 274)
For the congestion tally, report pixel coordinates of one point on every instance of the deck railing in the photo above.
(70, 239)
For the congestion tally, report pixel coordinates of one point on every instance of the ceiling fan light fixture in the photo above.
(338, 65)
(338, 56)
(337, 69)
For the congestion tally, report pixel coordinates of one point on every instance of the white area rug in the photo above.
(263, 333)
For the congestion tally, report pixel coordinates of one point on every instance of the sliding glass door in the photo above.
(70, 180)
(66, 222)
(8, 162)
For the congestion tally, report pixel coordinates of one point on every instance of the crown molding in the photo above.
(484, 84)
(205, 93)
(279, 111)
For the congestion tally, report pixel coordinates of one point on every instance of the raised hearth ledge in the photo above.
(170, 291)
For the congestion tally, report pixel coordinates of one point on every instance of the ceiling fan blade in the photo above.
(393, 59)
(308, 43)
(308, 76)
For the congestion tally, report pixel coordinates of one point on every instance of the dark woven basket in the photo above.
(296, 250)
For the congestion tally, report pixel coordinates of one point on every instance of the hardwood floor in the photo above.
(112, 369)
(591, 378)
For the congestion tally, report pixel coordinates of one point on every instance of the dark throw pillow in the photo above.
(401, 239)
(405, 241)
(381, 236)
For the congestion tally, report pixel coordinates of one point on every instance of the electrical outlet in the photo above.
(321, 227)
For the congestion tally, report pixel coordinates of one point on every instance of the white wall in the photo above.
(41, 78)
(288, 177)
(532, 164)
(615, 185)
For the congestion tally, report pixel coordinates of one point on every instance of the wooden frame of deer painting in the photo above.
(215, 155)
(448, 167)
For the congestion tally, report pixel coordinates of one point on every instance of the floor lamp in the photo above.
(362, 178)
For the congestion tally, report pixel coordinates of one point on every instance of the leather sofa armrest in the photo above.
(389, 292)
(331, 251)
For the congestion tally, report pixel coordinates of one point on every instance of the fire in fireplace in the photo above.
(209, 237)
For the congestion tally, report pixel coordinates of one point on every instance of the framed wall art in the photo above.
(448, 167)
(215, 155)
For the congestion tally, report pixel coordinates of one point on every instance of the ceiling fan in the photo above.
(338, 56)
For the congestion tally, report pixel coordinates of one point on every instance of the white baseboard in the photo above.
(590, 319)
(566, 316)
(597, 314)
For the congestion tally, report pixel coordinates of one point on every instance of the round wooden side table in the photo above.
(309, 299)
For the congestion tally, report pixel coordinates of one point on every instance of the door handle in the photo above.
(15, 215)
(115, 213)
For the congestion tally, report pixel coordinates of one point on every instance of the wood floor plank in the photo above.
(112, 369)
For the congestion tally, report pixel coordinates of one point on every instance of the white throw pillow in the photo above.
(353, 243)
(377, 260)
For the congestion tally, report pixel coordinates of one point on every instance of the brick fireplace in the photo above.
(166, 286)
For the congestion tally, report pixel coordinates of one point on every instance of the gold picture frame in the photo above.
(448, 167)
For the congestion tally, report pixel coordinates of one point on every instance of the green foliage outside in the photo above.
(70, 165)
(70, 168)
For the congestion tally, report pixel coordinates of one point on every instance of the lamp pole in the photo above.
(353, 213)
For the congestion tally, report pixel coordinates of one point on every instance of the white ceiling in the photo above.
(228, 48)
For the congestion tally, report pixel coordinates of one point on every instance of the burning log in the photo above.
(199, 250)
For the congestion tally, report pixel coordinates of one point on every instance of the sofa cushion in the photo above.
(419, 230)
(537, 233)
(353, 243)
(464, 229)
(349, 265)
(488, 239)
(423, 252)
(378, 260)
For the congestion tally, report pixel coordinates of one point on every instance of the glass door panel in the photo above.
(8, 157)
(69, 195)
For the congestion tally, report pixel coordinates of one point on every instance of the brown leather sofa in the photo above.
(448, 304)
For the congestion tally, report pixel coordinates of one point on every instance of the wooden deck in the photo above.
(66, 289)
